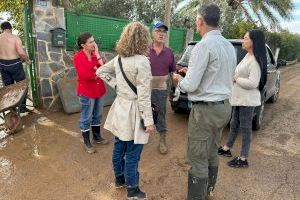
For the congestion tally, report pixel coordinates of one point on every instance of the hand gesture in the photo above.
(176, 79)
(150, 129)
(235, 77)
(96, 48)
(183, 70)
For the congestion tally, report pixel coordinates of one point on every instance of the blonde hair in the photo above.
(134, 40)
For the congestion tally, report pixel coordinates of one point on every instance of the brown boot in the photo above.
(163, 149)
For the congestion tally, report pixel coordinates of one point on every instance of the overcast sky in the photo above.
(294, 25)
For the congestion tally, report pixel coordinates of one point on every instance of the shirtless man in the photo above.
(11, 56)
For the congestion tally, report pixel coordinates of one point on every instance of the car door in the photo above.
(271, 79)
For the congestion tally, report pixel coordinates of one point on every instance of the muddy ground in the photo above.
(46, 160)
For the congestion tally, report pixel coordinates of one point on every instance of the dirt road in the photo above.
(46, 161)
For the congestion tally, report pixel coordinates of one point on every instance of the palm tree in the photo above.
(263, 11)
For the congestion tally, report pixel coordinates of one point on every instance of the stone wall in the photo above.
(51, 61)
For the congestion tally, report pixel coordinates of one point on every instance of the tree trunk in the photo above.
(168, 4)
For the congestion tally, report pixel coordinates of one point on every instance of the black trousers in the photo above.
(12, 71)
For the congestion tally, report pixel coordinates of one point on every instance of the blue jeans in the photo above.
(125, 158)
(91, 112)
(241, 120)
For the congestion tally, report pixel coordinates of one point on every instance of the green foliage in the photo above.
(238, 29)
(15, 10)
(145, 11)
(270, 11)
(274, 40)
(290, 47)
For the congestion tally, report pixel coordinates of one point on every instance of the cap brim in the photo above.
(162, 26)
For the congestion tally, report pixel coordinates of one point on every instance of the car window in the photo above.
(240, 52)
(184, 60)
(270, 58)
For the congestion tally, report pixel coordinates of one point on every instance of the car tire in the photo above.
(257, 119)
(275, 96)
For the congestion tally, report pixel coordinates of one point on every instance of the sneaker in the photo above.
(120, 182)
(222, 152)
(136, 194)
(238, 163)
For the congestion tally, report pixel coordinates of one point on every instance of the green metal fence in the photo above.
(30, 48)
(107, 31)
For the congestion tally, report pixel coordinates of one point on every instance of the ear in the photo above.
(82, 45)
(201, 21)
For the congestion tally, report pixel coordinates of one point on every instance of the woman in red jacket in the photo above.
(90, 89)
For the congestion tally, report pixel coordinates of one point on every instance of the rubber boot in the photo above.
(97, 136)
(212, 180)
(87, 144)
(136, 194)
(163, 149)
(120, 181)
(197, 188)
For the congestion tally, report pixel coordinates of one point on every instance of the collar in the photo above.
(212, 32)
(163, 50)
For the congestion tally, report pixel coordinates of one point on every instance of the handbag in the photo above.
(153, 106)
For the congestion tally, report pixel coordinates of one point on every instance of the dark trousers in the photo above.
(159, 98)
(125, 158)
(12, 71)
(241, 120)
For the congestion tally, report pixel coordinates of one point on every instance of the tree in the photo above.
(268, 10)
(146, 11)
(15, 10)
(265, 12)
(238, 29)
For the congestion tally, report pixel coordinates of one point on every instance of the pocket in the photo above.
(197, 149)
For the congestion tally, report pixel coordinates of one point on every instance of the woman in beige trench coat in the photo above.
(124, 117)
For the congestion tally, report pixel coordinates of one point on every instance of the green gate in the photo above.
(30, 48)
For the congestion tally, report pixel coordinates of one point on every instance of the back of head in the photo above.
(211, 14)
(134, 40)
(6, 26)
(259, 51)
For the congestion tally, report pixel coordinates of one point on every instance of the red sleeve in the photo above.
(84, 68)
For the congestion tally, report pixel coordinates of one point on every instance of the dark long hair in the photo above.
(82, 39)
(260, 54)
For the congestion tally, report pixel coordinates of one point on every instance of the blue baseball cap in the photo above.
(160, 24)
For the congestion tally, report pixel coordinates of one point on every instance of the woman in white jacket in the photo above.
(124, 117)
(249, 79)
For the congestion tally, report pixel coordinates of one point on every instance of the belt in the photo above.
(209, 103)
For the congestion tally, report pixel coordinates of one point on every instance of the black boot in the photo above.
(120, 181)
(97, 136)
(197, 188)
(212, 179)
(87, 144)
(136, 194)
